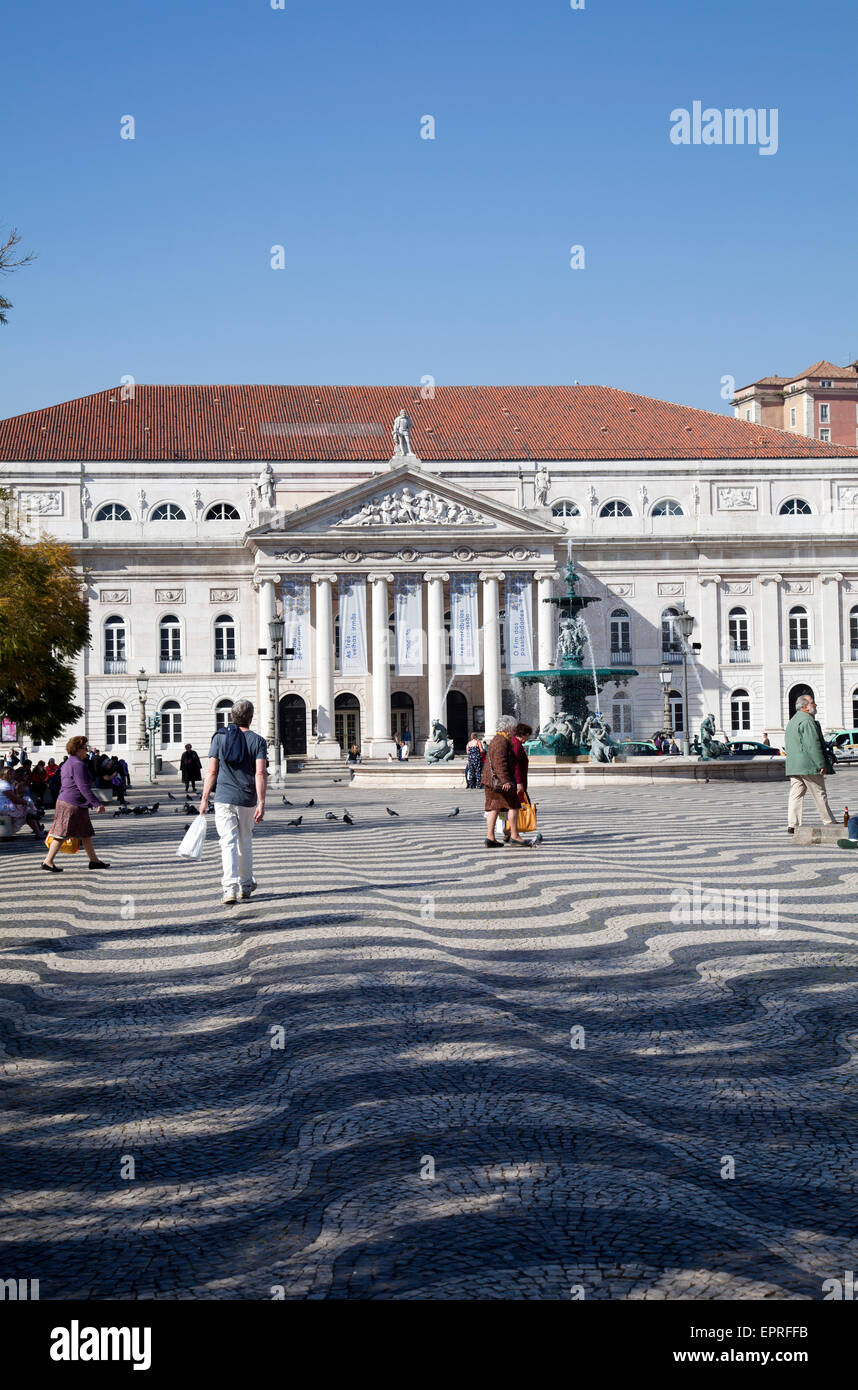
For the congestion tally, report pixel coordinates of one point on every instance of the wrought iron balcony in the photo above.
(739, 652)
(224, 663)
(621, 656)
(115, 668)
(170, 667)
(799, 653)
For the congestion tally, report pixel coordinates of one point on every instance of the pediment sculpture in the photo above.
(403, 507)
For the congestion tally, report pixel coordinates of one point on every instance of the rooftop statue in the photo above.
(402, 435)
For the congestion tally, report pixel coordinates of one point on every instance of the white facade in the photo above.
(722, 548)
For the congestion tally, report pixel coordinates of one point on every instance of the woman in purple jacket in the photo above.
(71, 815)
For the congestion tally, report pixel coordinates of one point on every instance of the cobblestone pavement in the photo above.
(428, 989)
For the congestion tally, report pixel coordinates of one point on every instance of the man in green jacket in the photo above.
(807, 762)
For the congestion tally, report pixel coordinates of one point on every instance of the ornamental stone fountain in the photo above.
(570, 681)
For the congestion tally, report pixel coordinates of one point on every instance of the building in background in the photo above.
(411, 571)
(821, 403)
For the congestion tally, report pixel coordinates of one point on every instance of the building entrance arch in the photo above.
(794, 694)
(293, 724)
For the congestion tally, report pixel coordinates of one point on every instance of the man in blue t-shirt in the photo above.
(237, 764)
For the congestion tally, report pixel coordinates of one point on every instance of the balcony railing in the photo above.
(170, 667)
(224, 663)
(854, 656)
(740, 653)
(621, 656)
(115, 668)
(799, 653)
(671, 654)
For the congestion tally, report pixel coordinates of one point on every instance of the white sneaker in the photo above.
(230, 895)
(247, 889)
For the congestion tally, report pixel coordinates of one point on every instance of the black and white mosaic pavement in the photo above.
(502, 1074)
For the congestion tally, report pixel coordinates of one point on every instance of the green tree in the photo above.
(8, 263)
(44, 623)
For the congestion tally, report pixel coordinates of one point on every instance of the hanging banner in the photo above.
(352, 589)
(296, 625)
(464, 625)
(519, 623)
(408, 625)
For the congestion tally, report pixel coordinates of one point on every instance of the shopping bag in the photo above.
(192, 844)
(67, 847)
(527, 814)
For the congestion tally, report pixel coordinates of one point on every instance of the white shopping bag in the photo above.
(192, 845)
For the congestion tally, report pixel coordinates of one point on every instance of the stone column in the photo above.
(380, 741)
(436, 663)
(710, 658)
(491, 649)
(545, 639)
(266, 586)
(326, 746)
(832, 654)
(774, 715)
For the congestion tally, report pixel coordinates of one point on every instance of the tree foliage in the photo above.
(9, 261)
(44, 623)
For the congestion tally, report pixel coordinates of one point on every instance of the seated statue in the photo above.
(439, 749)
(596, 734)
(560, 735)
(712, 747)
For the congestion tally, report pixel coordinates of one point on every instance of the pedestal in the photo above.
(379, 747)
(326, 750)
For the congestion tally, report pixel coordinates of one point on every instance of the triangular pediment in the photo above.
(406, 500)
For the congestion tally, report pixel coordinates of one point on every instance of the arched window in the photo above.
(167, 511)
(621, 717)
(616, 509)
(171, 645)
(669, 507)
(171, 722)
(565, 508)
(621, 636)
(115, 724)
(113, 511)
(740, 712)
(796, 506)
(671, 641)
(224, 634)
(737, 627)
(114, 647)
(799, 634)
(222, 709)
(677, 712)
(222, 511)
(853, 633)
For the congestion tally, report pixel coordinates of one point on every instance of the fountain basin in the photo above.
(573, 774)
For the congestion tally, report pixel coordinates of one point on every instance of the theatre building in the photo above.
(409, 539)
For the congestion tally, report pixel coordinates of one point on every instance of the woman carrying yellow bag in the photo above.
(526, 819)
(71, 814)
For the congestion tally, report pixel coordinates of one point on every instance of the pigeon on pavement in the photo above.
(170, 796)
(391, 813)
(338, 779)
(347, 818)
(311, 802)
(329, 815)
(453, 814)
(285, 802)
(295, 822)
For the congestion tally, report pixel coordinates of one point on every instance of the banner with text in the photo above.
(296, 626)
(408, 625)
(352, 625)
(519, 623)
(464, 625)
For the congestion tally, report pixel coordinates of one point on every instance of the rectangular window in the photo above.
(824, 414)
(825, 436)
(792, 415)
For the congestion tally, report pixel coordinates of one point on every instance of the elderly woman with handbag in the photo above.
(500, 776)
(71, 814)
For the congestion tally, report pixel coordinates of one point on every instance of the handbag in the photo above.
(70, 846)
(527, 814)
(194, 839)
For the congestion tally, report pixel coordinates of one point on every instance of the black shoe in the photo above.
(493, 844)
(507, 835)
(520, 844)
(51, 868)
(99, 864)
(790, 829)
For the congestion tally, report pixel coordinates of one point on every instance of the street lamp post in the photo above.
(142, 687)
(275, 632)
(685, 623)
(665, 675)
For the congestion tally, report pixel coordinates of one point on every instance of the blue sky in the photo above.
(408, 257)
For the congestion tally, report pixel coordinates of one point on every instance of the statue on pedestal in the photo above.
(712, 747)
(265, 486)
(541, 484)
(402, 436)
(597, 735)
(560, 736)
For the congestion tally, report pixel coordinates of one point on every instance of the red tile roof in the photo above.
(354, 422)
(827, 370)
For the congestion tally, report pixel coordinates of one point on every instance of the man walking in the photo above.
(237, 764)
(807, 761)
(190, 768)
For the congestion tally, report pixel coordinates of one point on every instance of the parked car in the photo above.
(844, 744)
(637, 748)
(747, 748)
